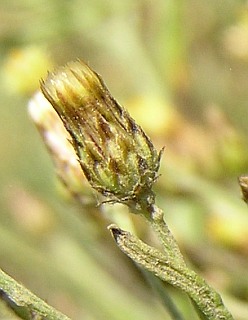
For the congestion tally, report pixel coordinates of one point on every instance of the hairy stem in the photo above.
(163, 266)
(156, 218)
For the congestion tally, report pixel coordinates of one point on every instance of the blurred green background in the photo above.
(181, 69)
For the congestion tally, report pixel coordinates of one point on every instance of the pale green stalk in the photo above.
(168, 269)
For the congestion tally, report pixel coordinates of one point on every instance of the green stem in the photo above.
(209, 298)
(24, 303)
(163, 266)
(156, 218)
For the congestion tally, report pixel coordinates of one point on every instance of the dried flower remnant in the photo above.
(116, 156)
(243, 182)
(56, 139)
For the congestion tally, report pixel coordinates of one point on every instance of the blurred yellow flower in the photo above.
(24, 67)
(155, 114)
(229, 231)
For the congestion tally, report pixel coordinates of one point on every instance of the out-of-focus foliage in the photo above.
(181, 68)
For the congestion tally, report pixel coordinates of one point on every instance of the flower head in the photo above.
(116, 156)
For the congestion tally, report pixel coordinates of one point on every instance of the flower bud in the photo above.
(116, 156)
